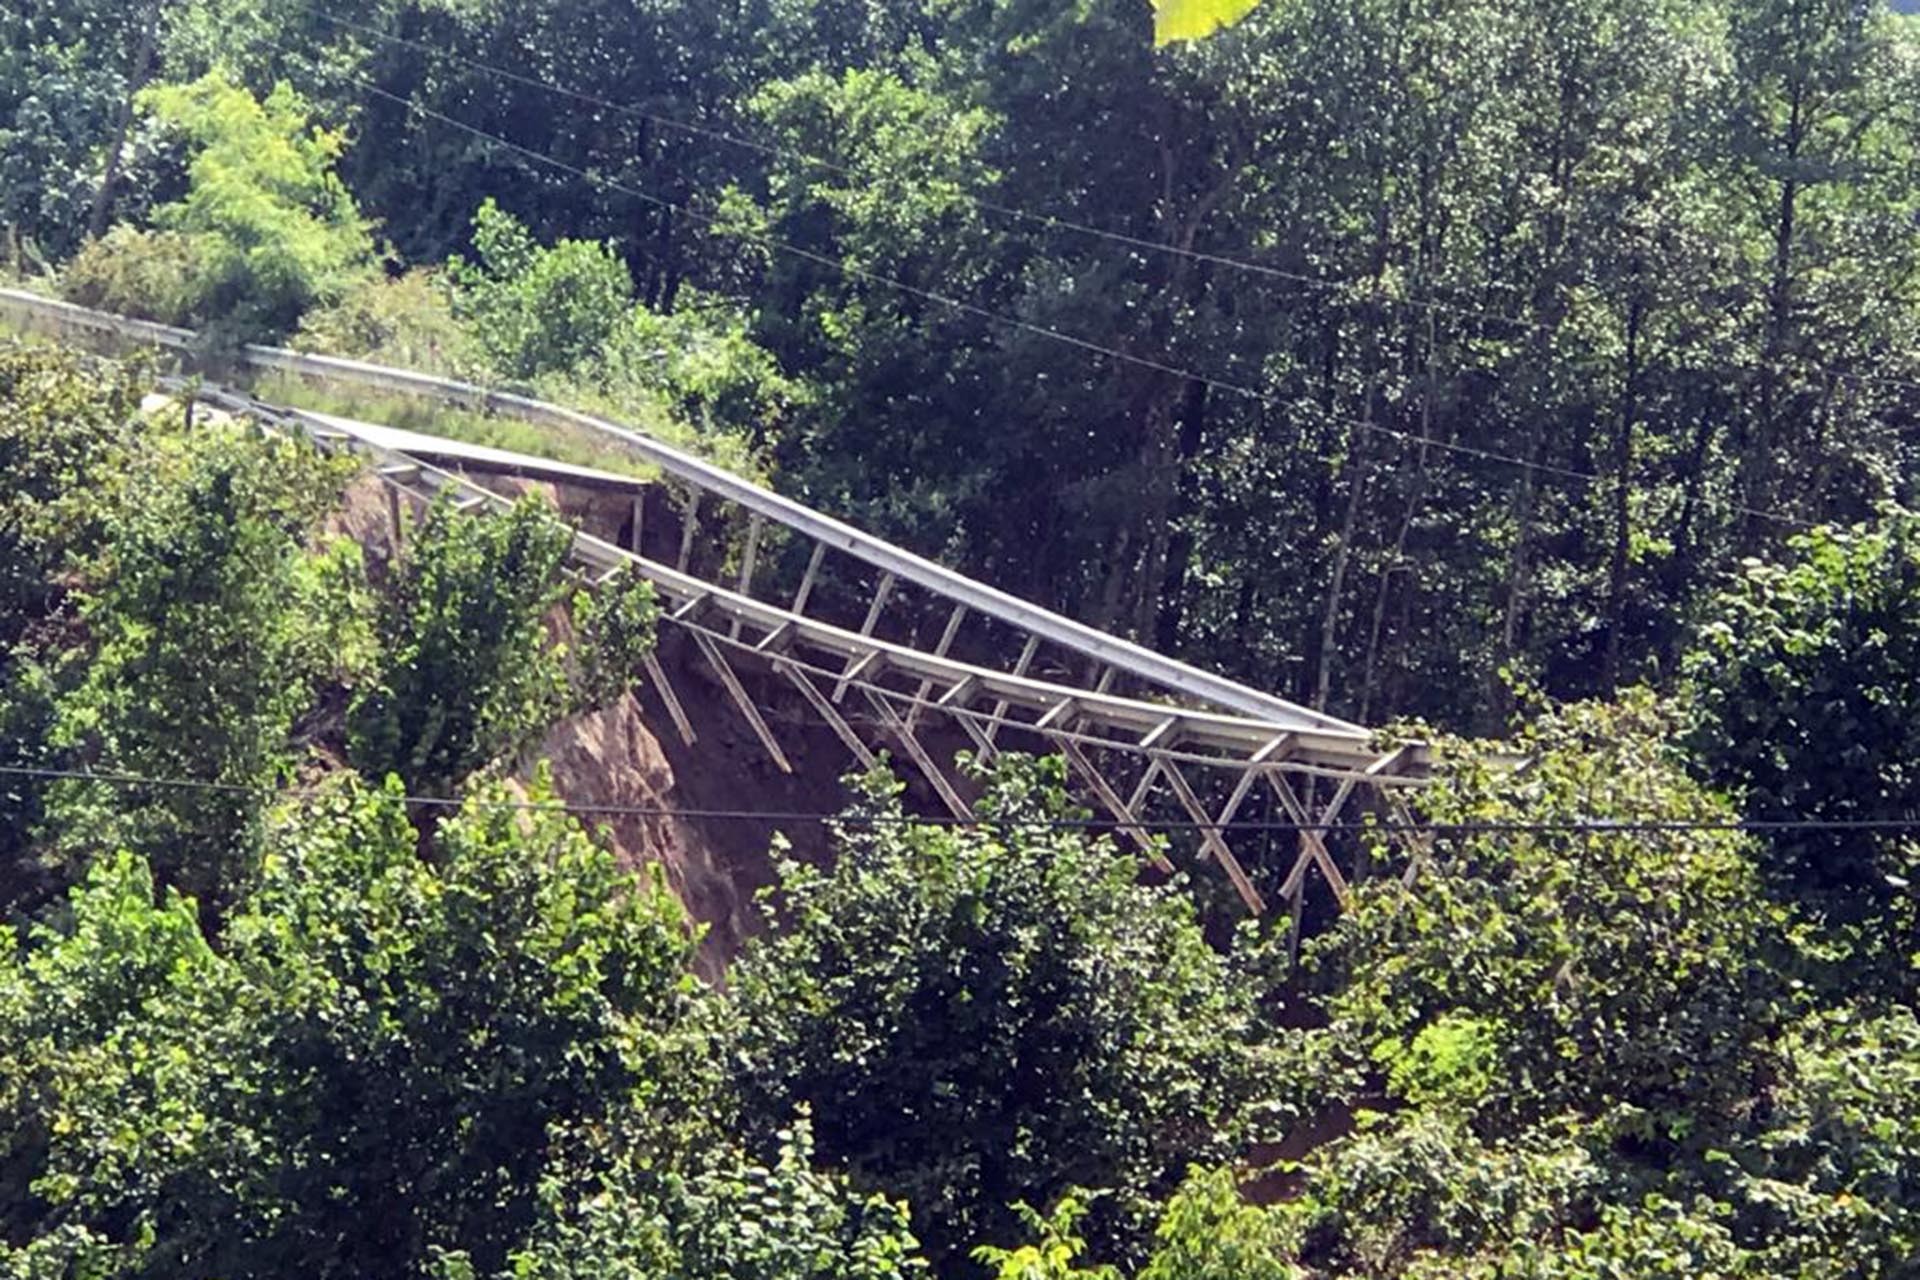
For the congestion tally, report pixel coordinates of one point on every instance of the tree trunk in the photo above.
(1173, 584)
(1396, 563)
(1622, 493)
(1758, 460)
(136, 80)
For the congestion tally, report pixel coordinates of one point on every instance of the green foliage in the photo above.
(533, 309)
(63, 81)
(1175, 20)
(617, 622)
(702, 360)
(1425, 1187)
(211, 622)
(1452, 1059)
(1207, 1232)
(466, 674)
(376, 1065)
(1661, 250)
(406, 321)
(1656, 1237)
(269, 230)
(564, 317)
(725, 1217)
(63, 428)
(1829, 1187)
(987, 1014)
(1806, 680)
(1052, 1255)
(150, 275)
(1607, 971)
(896, 434)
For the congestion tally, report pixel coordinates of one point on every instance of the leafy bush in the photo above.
(1807, 679)
(64, 426)
(563, 318)
(150, 275)
(1053, 1254)
(379, 1064)
(211, 624)
(1831, 1186)
(406, 321)
(64, 422)
(723, 1217)
(466, 672)
(534, 309)
(617, 622)
(1208, 1232)
(989, 1014)
(265, 229)
(702, 360)
(1581, 967)
(1655, 1236)
(1423, 1185)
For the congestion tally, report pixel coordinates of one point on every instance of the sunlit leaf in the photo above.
(1192, 19)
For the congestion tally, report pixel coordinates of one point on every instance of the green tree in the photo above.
(1585, 962)
(64, 427)
(1827, 1188)
(1805, 678)
(266, 225)
(380, 1063)
(64, 424)
(67, 76)
(536, 309)
(1207, 1231)
(212, 619)
(466, 672)
(722, 1217)
(981, 1015)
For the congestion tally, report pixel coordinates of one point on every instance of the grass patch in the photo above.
(411, 413)
(578, 447)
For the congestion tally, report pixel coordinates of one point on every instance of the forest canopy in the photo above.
(1452, 344)
(1537, 376)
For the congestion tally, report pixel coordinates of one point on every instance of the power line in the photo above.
(1590, 826)
(1049, 221)
(975, 310)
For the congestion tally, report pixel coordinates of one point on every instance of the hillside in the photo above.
(1050, 640)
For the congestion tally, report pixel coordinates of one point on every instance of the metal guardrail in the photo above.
(1111, 651)
(1243, 737)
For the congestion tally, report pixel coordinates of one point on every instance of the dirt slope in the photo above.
(630, 756)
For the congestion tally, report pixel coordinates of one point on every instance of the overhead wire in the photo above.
(772, 244)
(1050, 221)
(1586, 826)
(847, 820)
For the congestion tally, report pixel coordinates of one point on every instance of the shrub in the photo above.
(406, 321)
(211, 623)
(534, 309)
(701, 360)
(150, 275)
(1806, 681)
(1580, 965)
(466, 673)
(380, 1063)
(980, 1015)
(272, 230)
